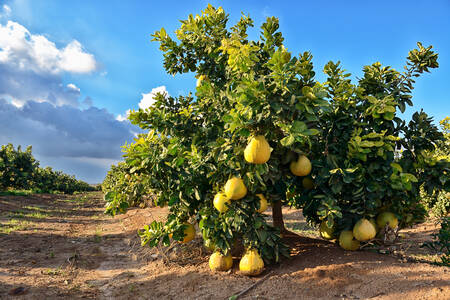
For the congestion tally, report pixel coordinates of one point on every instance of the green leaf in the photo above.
(287, 141)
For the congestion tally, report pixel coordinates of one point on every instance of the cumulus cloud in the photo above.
(31, 67)
(34, 52)
(91, 135)
(37, 108)
(149, 98)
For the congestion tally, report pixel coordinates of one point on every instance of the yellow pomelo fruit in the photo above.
(251, 263)
(308, 183)
(347, 242)
(220, 262)
(364, 230)
(200, 79)
(387, 218)
(301, 167)
(325, 231)
(262, 203)
(257, 151)
(374, 223)
(189, 233)
(235, 188)
(220, 202)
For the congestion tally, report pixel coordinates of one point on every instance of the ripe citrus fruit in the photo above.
(387, 218)
(301, 167)
(189, 233)
(347, 242)
(235, 188)
(325, 231)
(220, 262)
(262, 203)
(220, 202)
(364, 230)
(257, 151)
(251, 263)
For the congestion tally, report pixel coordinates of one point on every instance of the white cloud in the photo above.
(123, 117)
(66, 134)
(33, 52)
(31, 67)
(6, 10)
(73, 87)
(149, 98)
(75, 60)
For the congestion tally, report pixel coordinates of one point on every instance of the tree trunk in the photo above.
(277, 216)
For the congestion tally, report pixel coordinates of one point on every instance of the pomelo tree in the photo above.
(365, 158)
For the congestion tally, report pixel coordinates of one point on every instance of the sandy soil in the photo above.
(63, 247)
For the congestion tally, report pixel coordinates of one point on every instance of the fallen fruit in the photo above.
(364, 230)
(220, 262)
(251, 263)
(235, 188)
(257, 151)
(387, 218)
(347, 241)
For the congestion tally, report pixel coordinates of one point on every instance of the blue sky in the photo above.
(122, 64)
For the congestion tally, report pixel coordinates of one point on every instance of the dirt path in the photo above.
(63, 247)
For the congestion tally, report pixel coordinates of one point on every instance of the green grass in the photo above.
(23, 214)
(16, 193)
(13, 225)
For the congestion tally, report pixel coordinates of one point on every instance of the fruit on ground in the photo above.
(308, 183)
(301, 167)
(220, 202)
(220, 262)
(347, 241)
(251, 263)
(262, 203)
(387, 218)
(235, 188)
(257, 151)
(325, 231)
(189, 233)
(364, 230)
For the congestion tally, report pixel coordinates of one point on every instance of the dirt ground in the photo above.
(64, 247)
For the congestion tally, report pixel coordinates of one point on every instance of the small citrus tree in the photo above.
(252, 96)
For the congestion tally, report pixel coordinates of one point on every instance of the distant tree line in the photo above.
(19, 170)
